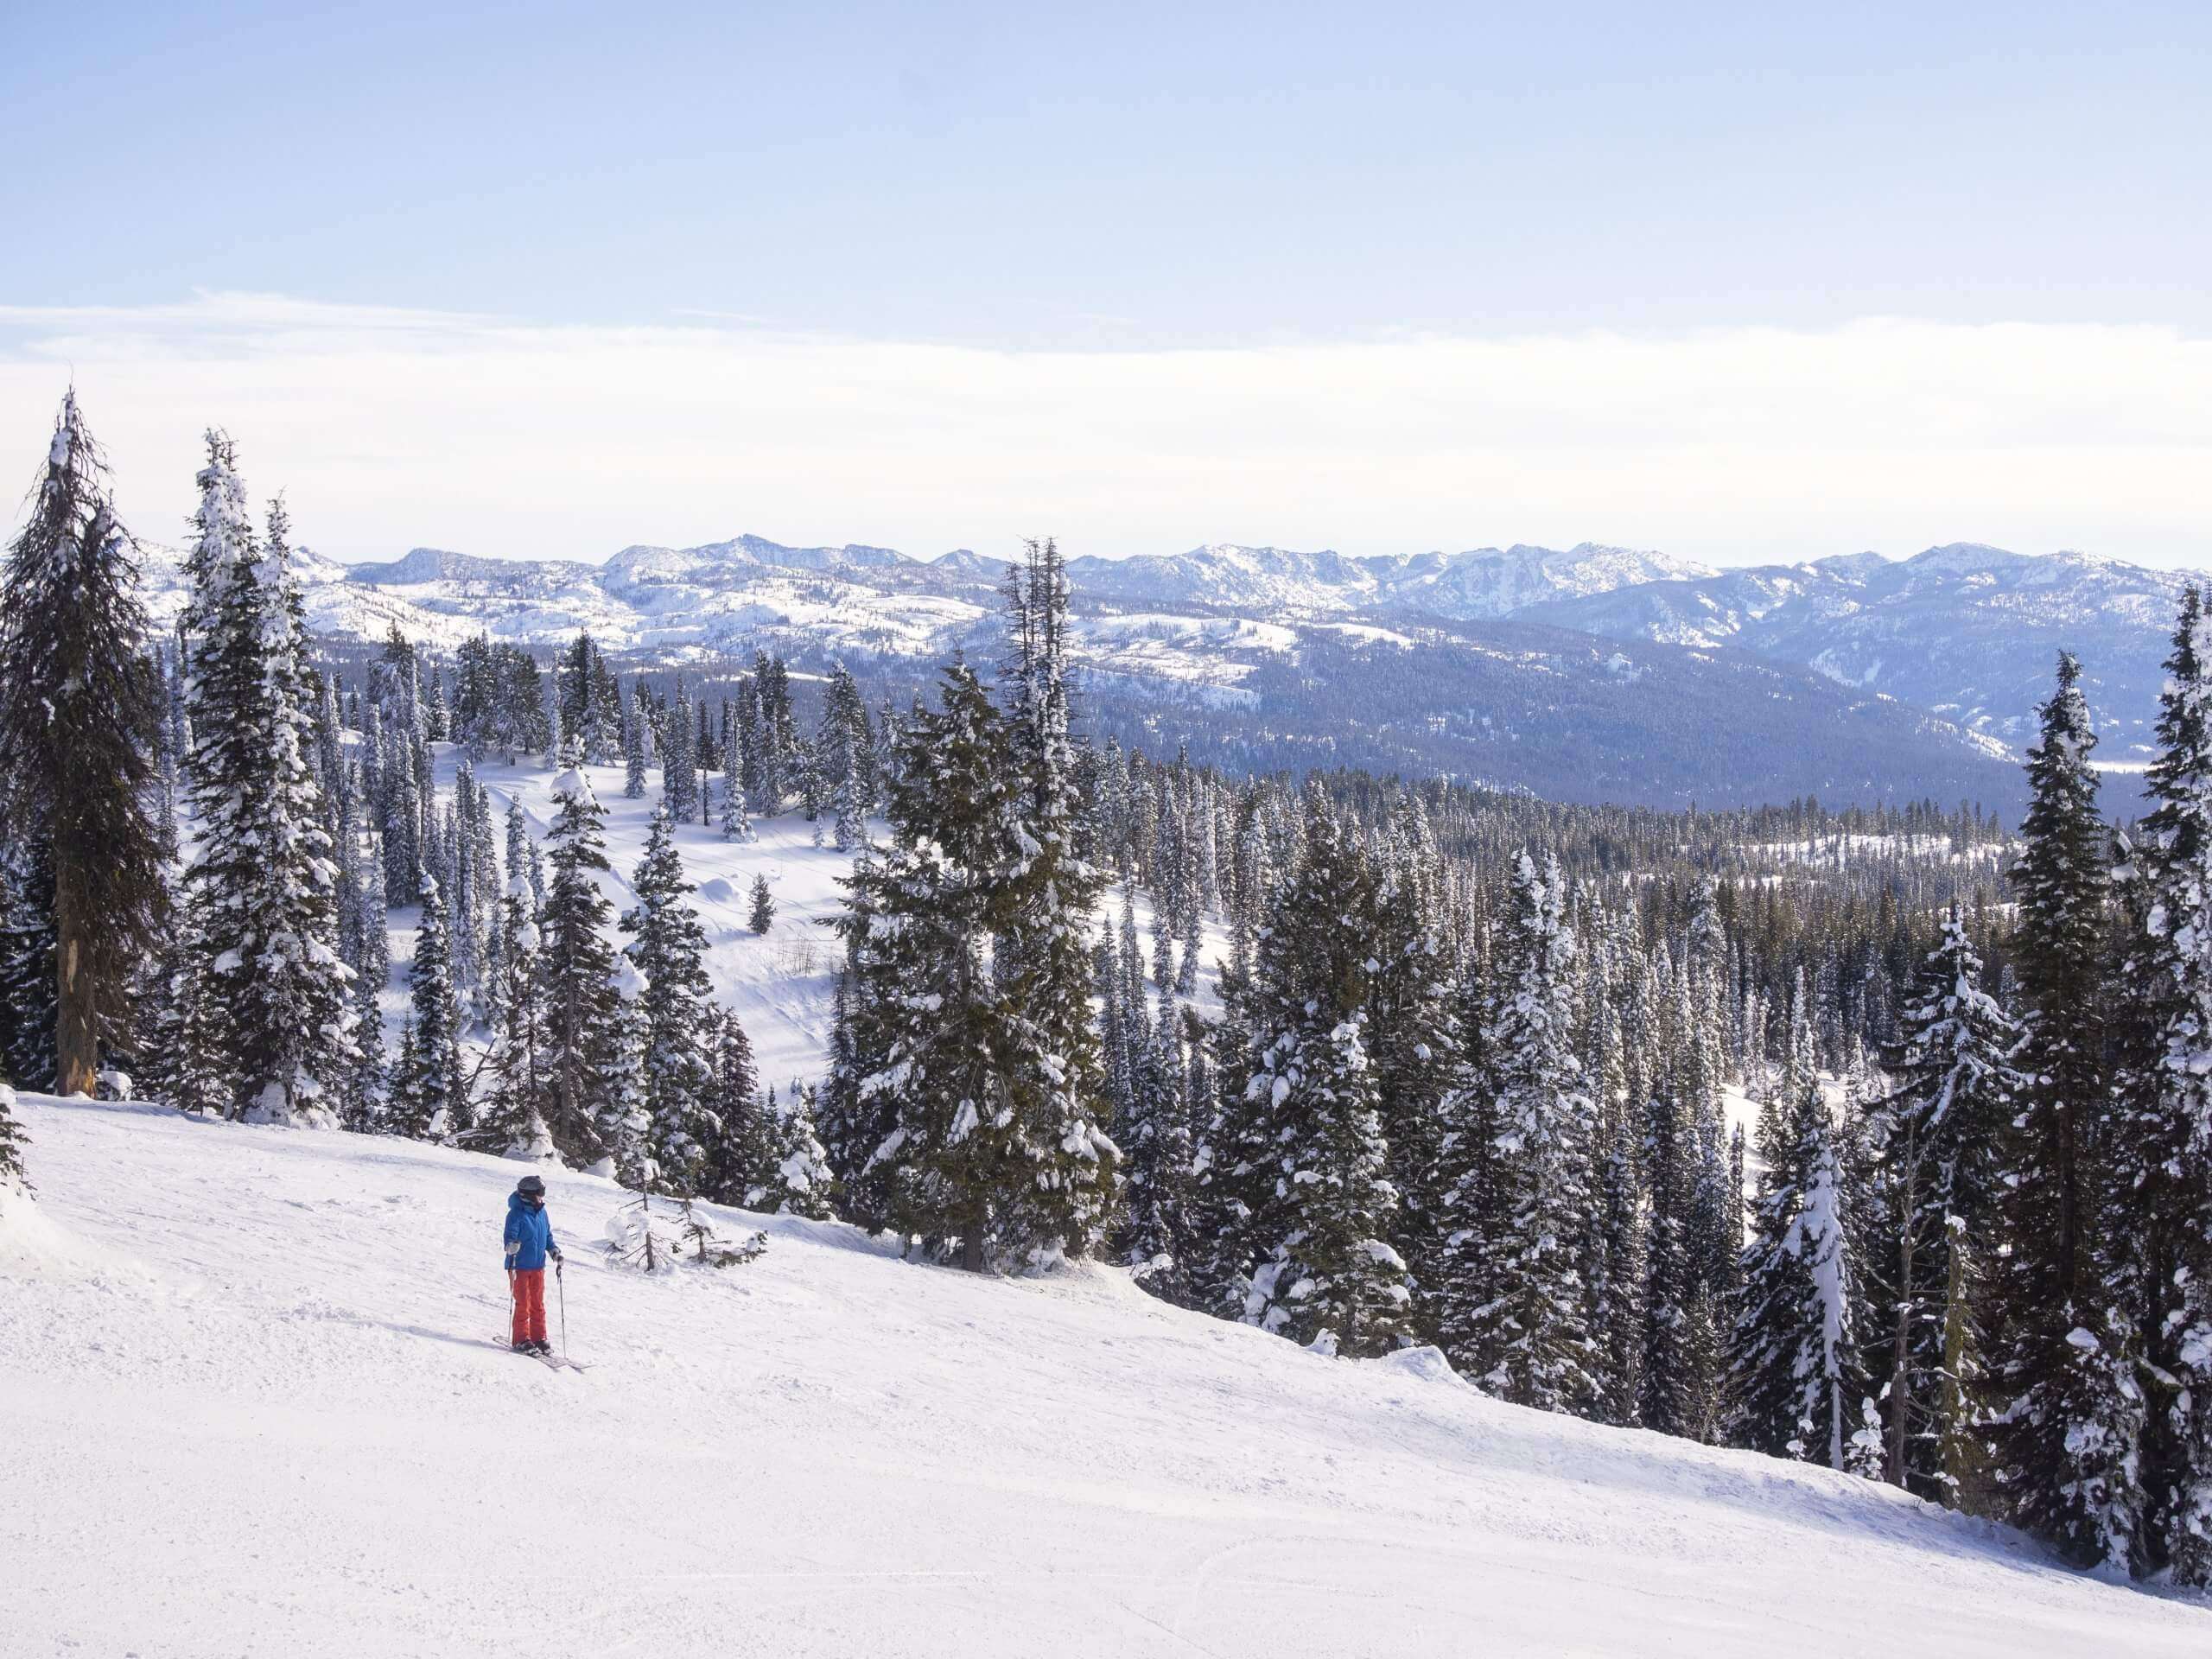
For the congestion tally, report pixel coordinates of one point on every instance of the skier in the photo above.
(530, 1241)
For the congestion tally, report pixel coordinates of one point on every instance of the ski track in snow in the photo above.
(254, 1402)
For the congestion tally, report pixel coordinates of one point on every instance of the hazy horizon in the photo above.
(1730, 282)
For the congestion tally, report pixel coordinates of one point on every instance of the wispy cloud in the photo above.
(390, 427)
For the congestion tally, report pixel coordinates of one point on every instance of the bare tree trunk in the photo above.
(1900, 1366)
(76, 1022)
(1958, 1450)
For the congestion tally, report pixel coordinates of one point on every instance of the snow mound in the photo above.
(299, 1432)
(1424, 1364)
(33, 1245)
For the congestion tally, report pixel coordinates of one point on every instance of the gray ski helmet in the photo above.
(531, 1187)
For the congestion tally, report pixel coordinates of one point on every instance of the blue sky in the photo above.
(1137, 179)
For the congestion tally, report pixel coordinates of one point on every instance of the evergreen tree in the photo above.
(802, 1184)
(513, 1120)
(1531, 1340)
(2160, 1135)
(669, 947)
(80, 724)
(1303, 1141)
(1954, 1085)
(428, 1100)
(1796, 1386)
(1041, 953)
(262, 887)
(184, 1044)
(633, 750)
(582, 1056)
(1155, 1135)
(1619, 1268)
(846, 752)
(679, 771)
(934, 1055)
(1681, 1358)
(736, 826)
(762, 915)
(731, 1167)
(1414, 1038)
(2062, 1351)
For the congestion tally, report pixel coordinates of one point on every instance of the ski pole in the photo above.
(561, 1284)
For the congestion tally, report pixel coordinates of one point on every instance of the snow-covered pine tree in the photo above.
(1531, 1342)
(679, 771)
(263, 886)
(1796, 1386)
(782, 756)
(731, 1164)
(428, 1100)
(787, 1172)
(678, 1019)
(1675, 1393)
(183, 1046)
(1158, 1148)
(1042, 952)
(926, 1021)
(2061, 1352)
(581, 1057)
(1302, 1147)
(623, 1121)
(633, 748)
(1954, 1085)
(1413, 1037)
(579, 676)
(81, 710)
(2160, 1135)
(737, 824)
(511, 1121)
(802, 1184)
(760, 915)
(1619, 1269)
(845, 750)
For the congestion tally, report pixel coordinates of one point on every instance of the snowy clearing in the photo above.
(253, 1387)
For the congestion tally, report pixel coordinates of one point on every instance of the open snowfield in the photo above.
(779, 983)
(253, 1401)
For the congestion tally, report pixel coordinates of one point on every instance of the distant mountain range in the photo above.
(1956, 643)
(1966, 630)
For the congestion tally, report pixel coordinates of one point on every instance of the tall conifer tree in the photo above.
(2062, 1352)
(81, 712)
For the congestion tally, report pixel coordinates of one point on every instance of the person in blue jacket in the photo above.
(530, 1241)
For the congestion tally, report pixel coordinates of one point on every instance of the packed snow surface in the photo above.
(261, 1406)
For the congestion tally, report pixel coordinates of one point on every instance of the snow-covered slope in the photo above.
(254, 1400)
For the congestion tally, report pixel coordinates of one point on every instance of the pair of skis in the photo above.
(556, 1362)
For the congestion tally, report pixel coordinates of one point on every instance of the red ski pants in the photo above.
(528, 1285)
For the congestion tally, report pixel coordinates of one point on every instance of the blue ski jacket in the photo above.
(530, 1235)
